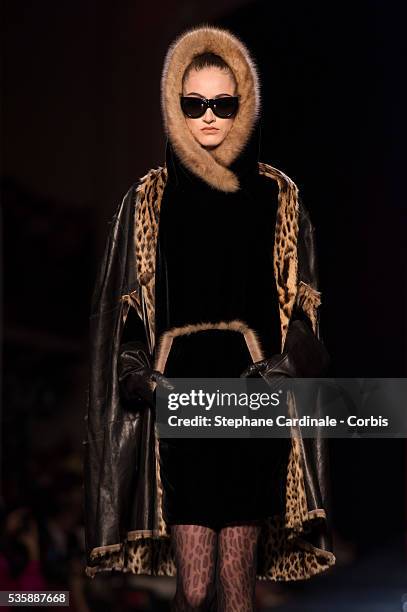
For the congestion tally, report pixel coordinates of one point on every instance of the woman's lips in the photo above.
(209, 130)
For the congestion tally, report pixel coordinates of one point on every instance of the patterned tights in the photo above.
(216, 569)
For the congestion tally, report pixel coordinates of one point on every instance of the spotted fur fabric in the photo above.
(284, 553)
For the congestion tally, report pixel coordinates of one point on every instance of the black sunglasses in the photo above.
(194, 107)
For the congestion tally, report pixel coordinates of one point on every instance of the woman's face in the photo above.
(211, 82)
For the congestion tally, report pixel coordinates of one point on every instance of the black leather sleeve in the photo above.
(134, 362)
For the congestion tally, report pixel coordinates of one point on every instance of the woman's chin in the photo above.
(209, 147)
(210, 143)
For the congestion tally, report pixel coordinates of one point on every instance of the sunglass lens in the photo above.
(192, 107)
(226, 107)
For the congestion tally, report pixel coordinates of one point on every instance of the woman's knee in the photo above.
(196, 592)
(196, 598)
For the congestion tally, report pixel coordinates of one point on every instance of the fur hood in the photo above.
(212, 166)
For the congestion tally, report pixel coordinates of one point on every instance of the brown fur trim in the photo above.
(211, 166)
(166, 340)
(102, 550)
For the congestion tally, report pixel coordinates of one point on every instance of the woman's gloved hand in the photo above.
(136, 376)
(272, 370)
(266, 367)
(304, 356)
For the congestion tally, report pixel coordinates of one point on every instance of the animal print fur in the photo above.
(147, 209)
(285, 244)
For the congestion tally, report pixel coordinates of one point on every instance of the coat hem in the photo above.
(278, 575)
(328, 557)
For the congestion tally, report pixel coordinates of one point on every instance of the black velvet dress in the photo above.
(215, 263)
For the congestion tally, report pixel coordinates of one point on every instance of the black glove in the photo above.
(136, 374)
(304, 356)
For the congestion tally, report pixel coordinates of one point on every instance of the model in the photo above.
(208, 271)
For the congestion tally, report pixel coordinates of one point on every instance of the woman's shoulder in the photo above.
(287, 190)
(145, 188)
(155, 177)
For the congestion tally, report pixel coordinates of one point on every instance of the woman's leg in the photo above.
(195, 549)
(236, 580)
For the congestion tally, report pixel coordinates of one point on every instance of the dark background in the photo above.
(81, 122)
